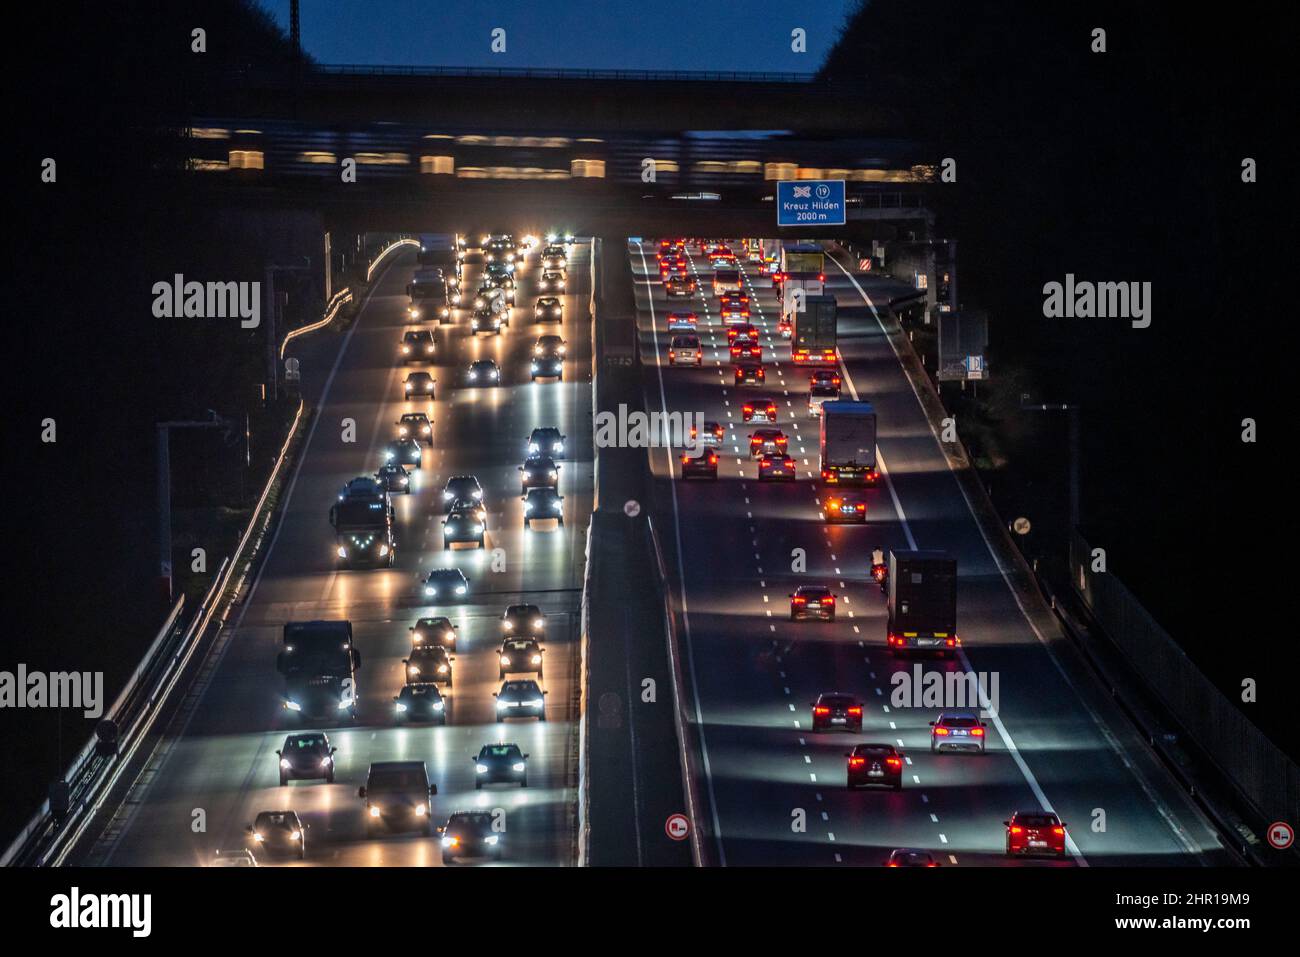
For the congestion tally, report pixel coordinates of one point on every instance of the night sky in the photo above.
(573, 34)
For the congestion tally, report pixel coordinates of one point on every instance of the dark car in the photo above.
(419, 385)
(405, 452)
(546, 367)
(445, 585)
(844, 508)
(523, 620)
(543, 504)
(759, 408)
(428, 663)
(520, 655)
(875, 765)
(483, 372)
(397, 797)
(812, 601)
(434, 630)
(306, 756)
(549, 308)
(394, 478)
(417, 346)
(484, 319)
(469, 834)
(767, 442)
(415, 425)
(520, 699)
(546, 441)
(833, 712)
(1035, 832)
(420, 702)
(461, 488)
(500, 762)
(777, 468)
(704, 465)
(538, 471)
(463, 525)
(279, 832)
(550, 345)
(749, 372)
(910, 857)
(680, 286)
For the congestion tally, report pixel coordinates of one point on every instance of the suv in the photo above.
(397, 797)
(546, 440)
(434, 630)
(306, 756)
(875, 764)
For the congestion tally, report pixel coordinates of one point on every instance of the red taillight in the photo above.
(857, 762)
(821, 710)
(1059, 831)
(977, 732)
(894, 762)
(764, 462)
(800, 600)
(895, 640)
(1017, 829)
(941, 732)
(713, 459)
(855, 711)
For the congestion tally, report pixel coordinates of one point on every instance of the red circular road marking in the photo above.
(677, 827)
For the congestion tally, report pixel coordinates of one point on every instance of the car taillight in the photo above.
(713, 459)
(941, 732)
(828, 600)
(977, 732)
(821, 710)
(1059, 831)
(855, 711)
(1016, 829)
(857, 762)
(894, 762)
(800, 600)
(895, 640)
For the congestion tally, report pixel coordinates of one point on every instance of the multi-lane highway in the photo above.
(216, 768)
(776, 790)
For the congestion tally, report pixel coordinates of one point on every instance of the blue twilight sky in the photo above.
(569, 34)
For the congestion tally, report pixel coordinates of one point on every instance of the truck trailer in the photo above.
(848, 443)
(921, 601)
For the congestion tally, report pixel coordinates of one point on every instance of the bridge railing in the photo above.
(685, 76)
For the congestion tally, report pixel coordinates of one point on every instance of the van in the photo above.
(397, 797)
(726, 280)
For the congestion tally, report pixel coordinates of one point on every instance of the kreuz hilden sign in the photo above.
(810, 202)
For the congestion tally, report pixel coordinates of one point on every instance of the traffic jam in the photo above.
(756, 319)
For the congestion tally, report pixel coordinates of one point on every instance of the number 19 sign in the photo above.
(810, 202)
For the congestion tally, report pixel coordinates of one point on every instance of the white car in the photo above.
(685, 351)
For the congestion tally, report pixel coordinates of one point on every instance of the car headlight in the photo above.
(284, 763)
(409, 386)
(460, 589)
(421, 810)
(383, 550)
(478, 493)
(481, 768)
(406, 349)
(374, 810)
(557, 447)
(401, 708)
(326, 761)
(430, 590)
(257, 836)
(442, 669)
(343, 552)
(403, 481)
(518, 766)
(505, 660)
(537, 623)
(552, 474)
(450, 841)
(532, 447)
(535, 367)
(294, 835)
(528, 506)
(478, 528)
(437, 706)
(537, 659)
(413, 670)
(491, 839)
(448, 496)
(502, 704)
(293, 705)
(473, 376)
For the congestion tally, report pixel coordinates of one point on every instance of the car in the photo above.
(397, 797)
(1035, 832)
(419, 385)
(817, 395)
(546, 367)
(835, 711)
(483, 372)
(875, 765)
(233, 857)
(428, 663)
(306, 755)
(445, 585)
(420, 701)
(910, 857)
(279, 832)
(726, 280)
(405, 452)
(750, 372)
(519, 654)
(469, 834)
(824, 379)
(767, 442)
(523, 620)
(538, 471)
(461, 526)
(758, 408)
(461, 488)
(485, 320)
(812, 601)
(496, 763)
(549, 345)
(734, 308)
(434, 630)
(957, 731)
(685, 351)
(417, 346)
(784, 328)
(543, 504)
(394, 478)
(520, 698)
(711, 436)
(501, 276)
(415, 425)
(555, 251)
(546, 440)
(549, 309)
(741, 331)
(499, 249)
(682, 321)
(772, 468)
(552, 280)
(680, 287)
(704, 465)
(672, 266)
(743, 350)
(844, 508)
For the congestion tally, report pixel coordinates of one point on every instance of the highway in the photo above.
(776, 791)
(218, 755)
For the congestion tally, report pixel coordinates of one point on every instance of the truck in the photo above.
(445, 251)
(363, 525)
(812, 340)
(848, 443)
(319, 664)
(803, 266)
(431, 297)
(921, 601)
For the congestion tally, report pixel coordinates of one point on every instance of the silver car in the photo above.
(957, 731)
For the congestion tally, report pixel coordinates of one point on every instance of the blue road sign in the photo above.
(810, 202)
